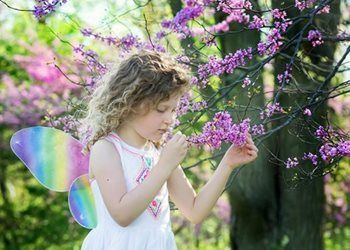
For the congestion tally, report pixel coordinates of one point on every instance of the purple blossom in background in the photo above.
(270, 110)
(310, 156)
(282, 26)
(307, 112)
(24, 105)
(183, 105)
(196, 106)
(227, 65)
(246, 82)
(343, 148)
(258, 129)
(321, 133)
(209, 40)
(301, 5)
(315, 38)
(192, 10)
(231, 6)
(325, 9)
(238, 132)
(262, 47)
(166, 24)
(109, 39)
(257, 23)
(279, 14)
(291, 163)
(91, 58)
(221, 129)
(68, 123)
(328, 152)
(235, 9)
(272, 44)
(186, 14)
(182, 59)
(125, 43)
(285, 76)
(160, 35)
(129, 41)
(273, 41)
(224, 210)
(45, 7)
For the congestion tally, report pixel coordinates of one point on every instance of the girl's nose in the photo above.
(170, 119)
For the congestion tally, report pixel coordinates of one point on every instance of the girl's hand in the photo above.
(236, 156)
(174, 151)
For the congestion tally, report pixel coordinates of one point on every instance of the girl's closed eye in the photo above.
(162, 111)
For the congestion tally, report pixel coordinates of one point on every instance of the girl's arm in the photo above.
(197, 207)
(123, 206)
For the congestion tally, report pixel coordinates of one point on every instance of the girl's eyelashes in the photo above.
(162, 111)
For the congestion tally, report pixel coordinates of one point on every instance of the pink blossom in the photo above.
(307, 112)
(246, 82)
(291, 163)
(315, 37)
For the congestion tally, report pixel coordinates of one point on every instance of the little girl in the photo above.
(132, 172)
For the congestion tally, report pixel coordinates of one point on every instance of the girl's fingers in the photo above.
(252, 147)
(253, 153)
(250, 140)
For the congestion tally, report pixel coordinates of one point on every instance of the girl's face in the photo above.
(153, 125)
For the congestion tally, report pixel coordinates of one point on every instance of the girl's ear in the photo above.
(142, 109)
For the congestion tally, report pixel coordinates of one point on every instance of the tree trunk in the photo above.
(252, 193)
(301, 209)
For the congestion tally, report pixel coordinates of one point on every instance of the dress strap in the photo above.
(116, 144)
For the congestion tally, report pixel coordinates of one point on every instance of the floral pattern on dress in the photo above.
(155, 206)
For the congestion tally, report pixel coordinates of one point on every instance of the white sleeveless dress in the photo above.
(152, 229)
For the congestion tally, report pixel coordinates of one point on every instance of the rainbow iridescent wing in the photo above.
(81, 202)
(56, 160)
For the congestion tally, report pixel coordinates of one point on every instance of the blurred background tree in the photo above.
(48, 65)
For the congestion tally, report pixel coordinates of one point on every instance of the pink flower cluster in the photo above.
(232, 6)
(40, 64)
(307, 112)
(126, 43)
(45, 7)
(303, 4)
(337, 196)
(279, 14)
(221, 129)
(315, 37)
(246, 82)
(333, 145)
(67, 123)
(258, 129)
(291, 163)
(325, 9)
(26, 105)
(270, 110)
(329, 152)
(273, 43)
(91, 57)
(310, 156)
(219, 66)
(185, 105)
(257, 23)
(285, 76)
(236, 10)
(192, 10)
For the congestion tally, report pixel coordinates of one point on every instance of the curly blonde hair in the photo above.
(146, 77)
